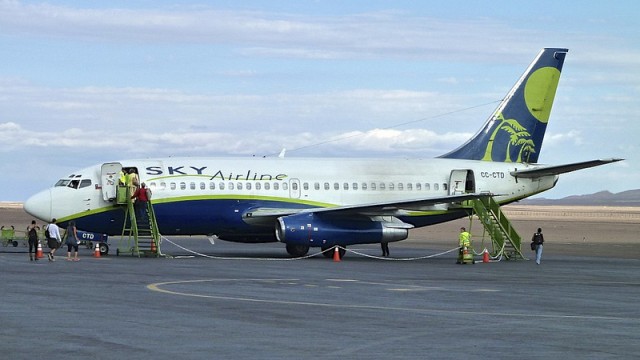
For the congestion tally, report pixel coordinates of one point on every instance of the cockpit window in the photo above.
(74, 183)
(63, 182)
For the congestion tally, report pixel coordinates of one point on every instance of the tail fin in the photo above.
(515, 130)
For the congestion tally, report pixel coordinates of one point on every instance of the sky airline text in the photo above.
(249, 175)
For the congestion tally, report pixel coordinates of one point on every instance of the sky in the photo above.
(88, 82)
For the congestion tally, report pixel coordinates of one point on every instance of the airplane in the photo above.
(323, 202)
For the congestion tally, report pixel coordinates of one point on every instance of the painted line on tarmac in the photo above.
(158, 287)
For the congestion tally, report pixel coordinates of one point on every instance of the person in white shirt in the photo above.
(53, 239)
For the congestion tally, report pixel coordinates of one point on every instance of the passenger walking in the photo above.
(32, 235)
(72, 241)
(53, 238)
(142, 196)
(537, 241)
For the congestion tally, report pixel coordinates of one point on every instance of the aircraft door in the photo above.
(294, 188)
(461, 182)
(109, 175)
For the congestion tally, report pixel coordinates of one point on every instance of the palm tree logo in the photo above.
(518, 136)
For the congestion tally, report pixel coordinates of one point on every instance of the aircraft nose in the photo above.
(39, 205)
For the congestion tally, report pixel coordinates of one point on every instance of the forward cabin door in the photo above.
(461, 182)
(109, 175)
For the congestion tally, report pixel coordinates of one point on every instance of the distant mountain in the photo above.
(602, 198)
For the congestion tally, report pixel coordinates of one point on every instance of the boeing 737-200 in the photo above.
(322, 202)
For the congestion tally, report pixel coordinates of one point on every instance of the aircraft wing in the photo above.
(560, 169)
(391, 207)
(265, 216)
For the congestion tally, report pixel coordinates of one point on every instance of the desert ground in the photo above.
(568, 230)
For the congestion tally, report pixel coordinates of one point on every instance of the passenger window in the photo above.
(163, 185)
(435, 187)
(230, 186)
(326, 186)
(248, 186)
(364, 186)
(212, 185)
(305, 186)
(444, 186)
(258, 186)
(267, 186)
(239, 186)
(285, 186)
(345, 186)
(409, 186)
(336, 186)
(203, 186)
(382, 186)
(294, 186)
(355, 186)
(221, 186)
(391, 186)
(400, 186)
(418, 186)
(173, 186)
(427, 187)
(316, 186)
(373, 186)
(183, 186)
(276, 186)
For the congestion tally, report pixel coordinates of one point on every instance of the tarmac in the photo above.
(251, 301)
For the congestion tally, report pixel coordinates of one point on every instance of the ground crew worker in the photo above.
(464, 242)
(122, 179)
(132, 181)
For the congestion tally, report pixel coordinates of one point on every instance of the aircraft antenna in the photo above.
(389, 127)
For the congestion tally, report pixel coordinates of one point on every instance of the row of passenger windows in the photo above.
(295, 186)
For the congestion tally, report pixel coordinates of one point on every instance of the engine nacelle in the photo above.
(313, 229)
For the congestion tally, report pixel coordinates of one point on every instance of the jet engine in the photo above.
(324, 230)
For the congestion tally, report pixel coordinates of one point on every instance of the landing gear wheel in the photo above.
(104, 249)
(297, 250)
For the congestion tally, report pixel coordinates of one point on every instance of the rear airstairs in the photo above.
(140, 235)
(505, 240)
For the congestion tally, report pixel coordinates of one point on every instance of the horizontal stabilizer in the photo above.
(560, 169)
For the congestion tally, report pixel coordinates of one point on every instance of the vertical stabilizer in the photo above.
(515, 130)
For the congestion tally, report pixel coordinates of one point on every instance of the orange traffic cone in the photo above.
(485, 256)
(39, 254)
(96, 251)
(336, 254)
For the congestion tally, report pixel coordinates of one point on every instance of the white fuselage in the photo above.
(232, 186)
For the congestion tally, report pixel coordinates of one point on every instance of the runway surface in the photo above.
(253, 302)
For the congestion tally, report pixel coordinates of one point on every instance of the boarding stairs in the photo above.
(505, 239)
(140, 235)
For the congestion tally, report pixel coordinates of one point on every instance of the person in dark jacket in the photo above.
(537, 241)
